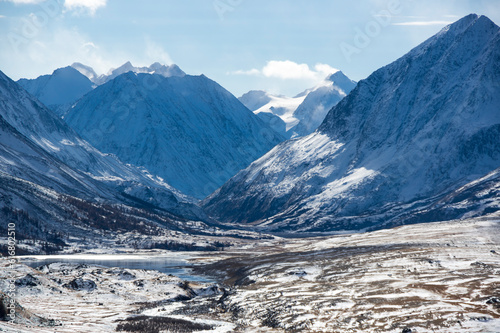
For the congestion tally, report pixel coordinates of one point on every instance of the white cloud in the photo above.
(250, 72)
(87, 5)
(423, 23)
(46, 52)
(289, 70)
(325, 70)
(285, 76)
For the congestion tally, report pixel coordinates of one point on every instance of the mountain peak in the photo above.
(59, 90)
(155, 66)
(335, 75)
(255, 99)
(471, 21)
(126, 67)
(340, 80)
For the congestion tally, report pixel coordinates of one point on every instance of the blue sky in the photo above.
(275, 45)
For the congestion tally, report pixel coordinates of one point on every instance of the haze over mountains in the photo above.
(59, 90)
(397, 147)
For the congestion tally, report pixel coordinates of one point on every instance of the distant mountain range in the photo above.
(416, 141)
(65, 86)
(60, 90)
(302, 114)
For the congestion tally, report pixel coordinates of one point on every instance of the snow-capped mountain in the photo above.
(410, 138)
(186, 129)
(65, 86)
(156, 68)
(312, 111)
(275, 110)
(39, 147)
(59, 90)
(302, 114)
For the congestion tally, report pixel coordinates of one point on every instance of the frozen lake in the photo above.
(175, 263)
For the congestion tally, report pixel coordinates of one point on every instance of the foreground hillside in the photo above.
(437, 277)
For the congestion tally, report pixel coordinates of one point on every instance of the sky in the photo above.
(283, 47)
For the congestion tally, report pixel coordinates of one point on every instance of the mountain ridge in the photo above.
(302, 114)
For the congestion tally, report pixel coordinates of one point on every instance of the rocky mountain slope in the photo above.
(408, 137)
(188, 130)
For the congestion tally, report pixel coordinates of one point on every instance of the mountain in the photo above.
(59, 90)
(38, 147)
(415, 141)
(186, 129)
(312, 111)
(302, 114)
(275, 110)
(156, 68)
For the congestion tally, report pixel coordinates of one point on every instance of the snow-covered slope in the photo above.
(59, 90)
(302, 114)
(312, 111)
(39, 147)
(188, 130)
(273, 108)
(412, 133)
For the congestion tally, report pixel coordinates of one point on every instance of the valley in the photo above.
(438, 277)
(149, 200)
